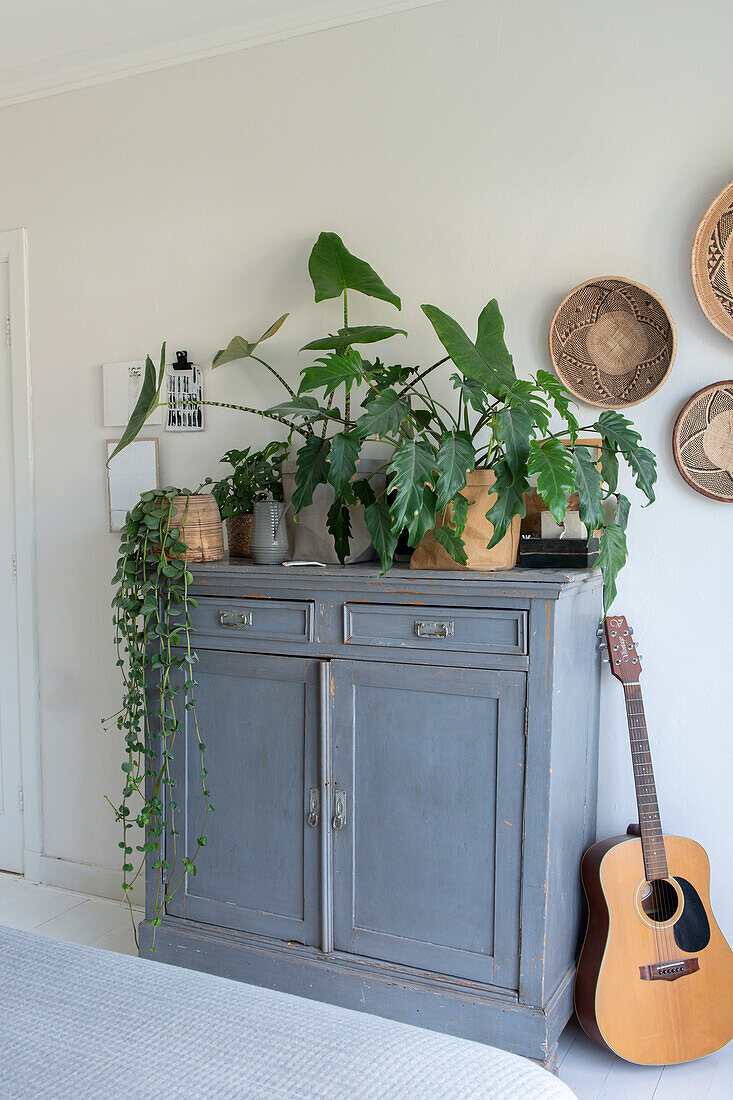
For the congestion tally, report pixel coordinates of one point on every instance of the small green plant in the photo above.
(253, 472)
(151, 616)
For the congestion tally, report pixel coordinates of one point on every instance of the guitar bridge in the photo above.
(668, 972)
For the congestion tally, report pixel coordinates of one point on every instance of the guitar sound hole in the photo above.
(659, 900)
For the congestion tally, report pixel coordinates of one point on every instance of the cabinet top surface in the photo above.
(543, 582)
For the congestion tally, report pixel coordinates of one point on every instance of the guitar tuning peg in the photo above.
(600, 632)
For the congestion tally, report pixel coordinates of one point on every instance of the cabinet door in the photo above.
(259, 871)
(426, 866)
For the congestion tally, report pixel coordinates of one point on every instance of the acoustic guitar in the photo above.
(655, 977)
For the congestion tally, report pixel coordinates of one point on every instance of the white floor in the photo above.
(592, 1073)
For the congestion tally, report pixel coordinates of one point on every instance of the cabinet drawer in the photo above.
(226, 623)
(447, 629)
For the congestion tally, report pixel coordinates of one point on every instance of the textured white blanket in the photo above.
(77, 1022)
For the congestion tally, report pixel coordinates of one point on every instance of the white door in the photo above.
(11, 815)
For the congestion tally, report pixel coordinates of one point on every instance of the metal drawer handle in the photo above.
(429, 628)
(239, 620)
(314, 806)
(339, 810)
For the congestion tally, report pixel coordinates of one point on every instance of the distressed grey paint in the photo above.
(451, 897)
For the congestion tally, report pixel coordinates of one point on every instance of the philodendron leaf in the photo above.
(510, 489)
(311, 470)
(338, 522)
(470, 361)
(490, 341)
(515, 429)
(332, 371)
(363, 492)
(424, 519)
(609, 467)
(561, 399)
(643, 464)
(590, 493)
(617, 430)
(411, 469)
(359, 334)
(379, 526)
(382, 416)
(307, 407)
(333, 269)
(611, 560)
(553, 464)
(453, 543)
(623, 507)
(454, 461)
(342, 460)
(459, 512)
(524, 395)
(146, 403)
(239, 348)
(473, 392)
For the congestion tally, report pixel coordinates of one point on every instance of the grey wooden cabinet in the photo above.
(404, 775)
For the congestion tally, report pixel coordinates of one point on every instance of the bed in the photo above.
(85, 1023)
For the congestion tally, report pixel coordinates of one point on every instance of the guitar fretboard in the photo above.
(652, 840)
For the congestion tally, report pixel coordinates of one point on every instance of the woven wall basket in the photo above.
(612, 342)
(202, 527)
(239, 529)
(702, 441)
(712, 262)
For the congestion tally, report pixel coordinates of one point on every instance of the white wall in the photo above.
(468, 150)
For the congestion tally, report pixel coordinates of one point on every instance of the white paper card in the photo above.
(132, 472)
(121, 384)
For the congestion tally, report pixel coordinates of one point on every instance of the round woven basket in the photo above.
(712, 262)
(612, 342)
(239, 529)
(198, 517)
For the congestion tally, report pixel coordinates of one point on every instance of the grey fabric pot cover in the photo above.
(309, 537)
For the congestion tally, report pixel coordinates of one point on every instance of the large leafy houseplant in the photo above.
(497, 420)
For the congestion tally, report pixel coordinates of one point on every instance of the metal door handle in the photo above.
(339, 810)
(314, 806)
(429, 628)
(239, 620)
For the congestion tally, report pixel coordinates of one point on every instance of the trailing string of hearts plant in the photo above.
(154, 654)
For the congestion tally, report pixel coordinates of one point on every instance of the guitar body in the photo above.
(653, 991)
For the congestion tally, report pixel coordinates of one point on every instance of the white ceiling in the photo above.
(51, 46)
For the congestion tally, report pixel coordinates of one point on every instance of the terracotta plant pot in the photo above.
(239, 529)
(477, 535)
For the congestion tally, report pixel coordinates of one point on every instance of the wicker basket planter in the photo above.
(239, 529)
(199, 519)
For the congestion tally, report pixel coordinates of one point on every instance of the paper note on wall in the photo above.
(132, 472)
(121, 384)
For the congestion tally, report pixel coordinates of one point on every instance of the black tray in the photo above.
(558, 553)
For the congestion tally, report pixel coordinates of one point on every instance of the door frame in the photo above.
(14, 249)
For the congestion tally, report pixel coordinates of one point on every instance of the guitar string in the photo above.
(645, 790)
(668, 900)
(632, 727)
(664, 901)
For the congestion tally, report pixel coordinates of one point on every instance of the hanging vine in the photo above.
(153, 630)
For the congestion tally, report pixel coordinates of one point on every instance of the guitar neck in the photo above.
(652, 840)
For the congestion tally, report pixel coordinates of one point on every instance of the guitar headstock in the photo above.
(622, 653)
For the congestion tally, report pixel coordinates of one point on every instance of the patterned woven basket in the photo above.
(203, 533)
(239, 529)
